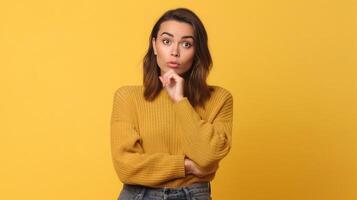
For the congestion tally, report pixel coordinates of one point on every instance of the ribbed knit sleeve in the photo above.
(132, 164)
(206, 142)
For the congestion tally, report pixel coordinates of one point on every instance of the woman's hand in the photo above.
(192, 168)
(174, 84)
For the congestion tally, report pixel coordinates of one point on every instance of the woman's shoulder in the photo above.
(219, 91)
(220, 97)
(129, 90)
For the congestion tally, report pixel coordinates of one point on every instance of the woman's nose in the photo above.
(174, 51)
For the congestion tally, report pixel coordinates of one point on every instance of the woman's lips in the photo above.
(173, 64)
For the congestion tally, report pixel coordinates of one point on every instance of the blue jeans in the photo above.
(197, 191)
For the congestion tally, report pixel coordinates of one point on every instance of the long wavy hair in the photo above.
(196, 89)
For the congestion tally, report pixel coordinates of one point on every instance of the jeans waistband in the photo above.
(194, 188)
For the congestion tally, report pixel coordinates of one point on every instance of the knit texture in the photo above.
(150, 139)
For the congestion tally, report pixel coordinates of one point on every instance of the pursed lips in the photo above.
(173, 64)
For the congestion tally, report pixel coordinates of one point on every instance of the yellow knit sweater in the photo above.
(149, 140)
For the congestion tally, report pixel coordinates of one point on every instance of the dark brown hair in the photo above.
(195, 89)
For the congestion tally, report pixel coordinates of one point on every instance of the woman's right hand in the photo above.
(192, 168)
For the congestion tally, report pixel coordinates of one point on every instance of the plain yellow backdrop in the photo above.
(290, 65)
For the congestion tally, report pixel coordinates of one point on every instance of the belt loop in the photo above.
(187, 193)
(141, 194)
(166, 192)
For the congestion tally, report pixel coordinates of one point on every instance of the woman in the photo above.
(168, 136)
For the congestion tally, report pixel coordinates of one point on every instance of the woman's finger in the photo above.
(162, 81)
(170, 73)
(166, 75)
(171, 77)
(178, 79)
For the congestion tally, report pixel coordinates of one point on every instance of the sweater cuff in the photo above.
(179, 165)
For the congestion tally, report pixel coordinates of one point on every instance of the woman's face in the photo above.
(173, 47)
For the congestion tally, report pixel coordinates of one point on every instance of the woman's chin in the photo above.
(170, 69)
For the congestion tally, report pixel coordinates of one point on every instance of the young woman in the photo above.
(168, 135)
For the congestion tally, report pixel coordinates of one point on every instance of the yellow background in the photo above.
(290, 65)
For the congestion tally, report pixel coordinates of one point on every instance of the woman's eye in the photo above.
(165, 41)
(187, 44)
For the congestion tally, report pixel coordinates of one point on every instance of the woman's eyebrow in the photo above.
(186, 36)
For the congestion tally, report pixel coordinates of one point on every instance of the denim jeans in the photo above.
(197, 191)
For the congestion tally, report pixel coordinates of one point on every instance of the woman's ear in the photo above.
(154, 45)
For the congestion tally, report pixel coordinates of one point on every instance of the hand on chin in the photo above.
(173, 83)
